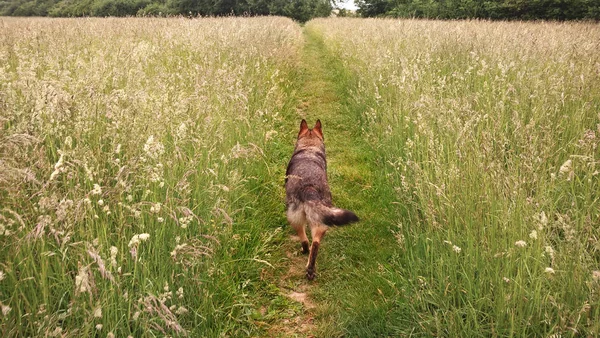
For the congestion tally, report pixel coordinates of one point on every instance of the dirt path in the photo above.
(320, 100)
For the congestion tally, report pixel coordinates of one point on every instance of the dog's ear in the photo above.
(303, 128)
(318, 129)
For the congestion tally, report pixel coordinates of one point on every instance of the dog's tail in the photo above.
(330, 215)
(337, 216)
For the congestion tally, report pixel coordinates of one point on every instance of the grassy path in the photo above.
(351, 255)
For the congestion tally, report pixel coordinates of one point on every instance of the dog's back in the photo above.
(306, 176)
(308, 197)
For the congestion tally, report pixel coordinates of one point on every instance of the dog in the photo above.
(308, 198)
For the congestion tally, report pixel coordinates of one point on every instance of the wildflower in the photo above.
(542, 220)
(69, 142)
(5, 309)
(506, 280)
(533, 234)
(118, 149)
(566, 169)
(110, 335)
(521, 244)
(153, 149)
(98, 312)
(99, 327)
(144, 237)
(549, 270)
(57, 167)
(113, 256)
(185, 221)
(136, 315)
(548, 249)
(180, 293)
(181, 131)
(129, 198)
(160, 220)
(2, 275)
(181, 310)
(596, 276)
(100, 202)
(97, 189)
(82, 283)
(155, 208)
(456, 249)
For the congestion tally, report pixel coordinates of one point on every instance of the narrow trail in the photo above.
(352, 168)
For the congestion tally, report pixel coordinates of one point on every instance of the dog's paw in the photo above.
(305, 249)
(310, 274)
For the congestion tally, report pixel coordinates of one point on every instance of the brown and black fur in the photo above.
(308, 198)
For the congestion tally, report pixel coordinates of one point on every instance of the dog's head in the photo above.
(310, 137)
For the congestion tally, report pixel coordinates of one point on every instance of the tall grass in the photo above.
(489, 133)
(132, 170)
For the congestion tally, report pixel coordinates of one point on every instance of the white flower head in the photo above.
(549, 270)
(567, 170)
(182, 131)
(97, 189)
(181, 310)
(82, 283)
(543, 218)
(521, 244)
(533, 234)
(456, 249)
(566, 167)
(5, 309)
(69, 142)
(153, 148)
(113, 256)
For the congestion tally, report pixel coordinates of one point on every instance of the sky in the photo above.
(347, 4)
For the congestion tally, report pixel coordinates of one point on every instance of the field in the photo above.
(142, 164)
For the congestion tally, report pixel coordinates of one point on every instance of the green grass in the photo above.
(468, 151)
(449, 140)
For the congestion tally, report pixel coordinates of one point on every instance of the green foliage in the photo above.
(118, 7)
(300, 10)
(489, 9)
(154, 9)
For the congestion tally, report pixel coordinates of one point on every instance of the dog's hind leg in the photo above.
(317, 230)
(297, 220)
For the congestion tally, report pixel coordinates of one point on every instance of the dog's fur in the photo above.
(308, 198)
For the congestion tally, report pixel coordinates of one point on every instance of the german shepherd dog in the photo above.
(308, 198)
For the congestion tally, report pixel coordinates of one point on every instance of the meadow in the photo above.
(142, 163)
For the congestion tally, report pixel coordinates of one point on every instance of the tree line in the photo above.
(483, 9)
(300, 10)
(304, 10)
